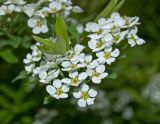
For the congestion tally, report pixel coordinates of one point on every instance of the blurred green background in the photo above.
(121, 101)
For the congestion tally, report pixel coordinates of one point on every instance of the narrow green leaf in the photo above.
(47, 100)
(61, 31)
(114, 5)
(8, 56)
(46, 42)
(73, 31)
(118, 6)
(21, 75)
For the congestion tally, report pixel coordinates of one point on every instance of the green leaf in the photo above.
(61, 31)
(8, 56)
(21, 75)
(114, 5)
(112, 76)
(51, 46)
(46, 42)
(47, 100)
(73, 31)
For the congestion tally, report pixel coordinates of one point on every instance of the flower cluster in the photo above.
(38, 12)
(77, 69)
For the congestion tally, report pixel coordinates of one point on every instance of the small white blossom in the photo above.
(58, 90)
(108, 55)
(29, 9)
(75, 78)
(39, 25)
(97, 73)
(133, 39)
(69, 66)
(99, 44)
(86, 96)
(7, 9)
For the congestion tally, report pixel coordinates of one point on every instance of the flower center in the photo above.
(74, 81)
(59, 92)
(95, 74)
(85, 95)
(100, 31)
(100, 44)
(107, 55)
(73, 66)
(39, 23)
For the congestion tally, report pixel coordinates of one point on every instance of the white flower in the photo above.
(58, 90)
(29, 68)
(87, 60)
(75, 55)
(131, 21)
(86, 96)
(43, 12)
(99, 44)
(69, 66)
(55, 6)
(108, 55)
(39, 25)
(119, 36)
(117, 20)
(97, 74)
(75, 78)
(7, 9)
(29, 9)
(133, 39)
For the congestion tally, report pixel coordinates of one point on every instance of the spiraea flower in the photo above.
(133, 39)
(75, 78)
(58, 90)
(38, 24)
(108, 56)
(86, 96)
(97, 73)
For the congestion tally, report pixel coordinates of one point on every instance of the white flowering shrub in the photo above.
(65, 67)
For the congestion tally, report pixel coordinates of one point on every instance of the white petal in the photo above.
(31, 23)
(66, 64)
(108, 37)
(96, 80)
(44, 28)
(77, 94)
(36, 30)
(103, 75)
(85, 88)
(92, 44)
(100, 68)
(131, 42)
(57, 83)
(73, 74)
(66, 80)
(78, 48)
(82, 76)
(111, 60)
(108, 50)
(92, 93)
(50, 89)
(90, 101)
(65, 88)
(42, 74)
(82, 103)
(140, 41)
(64, 95)
(115, 53)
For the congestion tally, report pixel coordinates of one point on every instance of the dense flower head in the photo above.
(81, 66)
